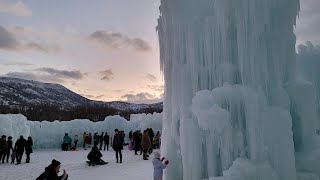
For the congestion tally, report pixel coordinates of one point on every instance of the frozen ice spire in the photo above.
(243, 50)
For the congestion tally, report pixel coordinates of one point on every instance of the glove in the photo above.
(166, 162)
(162, 158)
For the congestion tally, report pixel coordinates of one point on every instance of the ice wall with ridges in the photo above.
(244, 51)
(50, 134)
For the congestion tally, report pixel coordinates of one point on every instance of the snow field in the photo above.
(133, 167)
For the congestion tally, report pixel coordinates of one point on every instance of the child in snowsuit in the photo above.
(13, 156)
(158, 166)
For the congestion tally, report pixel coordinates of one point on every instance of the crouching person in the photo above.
(94, 157)
(51, 172)
(158, 166)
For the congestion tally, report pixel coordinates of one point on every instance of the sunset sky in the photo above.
(102, 49)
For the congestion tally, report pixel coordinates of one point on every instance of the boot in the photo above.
(145, 156)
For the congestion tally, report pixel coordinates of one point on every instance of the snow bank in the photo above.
(50, 134)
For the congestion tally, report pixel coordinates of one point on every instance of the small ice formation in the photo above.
(234, 108)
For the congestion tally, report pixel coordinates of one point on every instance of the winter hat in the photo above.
(157, 155)
(3, 136)
(55, 163)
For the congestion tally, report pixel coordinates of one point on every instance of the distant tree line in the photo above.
(51, 112)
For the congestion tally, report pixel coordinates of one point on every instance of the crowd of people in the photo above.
(15, 152)
(145, 142)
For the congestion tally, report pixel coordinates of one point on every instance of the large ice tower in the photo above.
(233, 108)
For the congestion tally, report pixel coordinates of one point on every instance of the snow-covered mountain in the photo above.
(20, 92)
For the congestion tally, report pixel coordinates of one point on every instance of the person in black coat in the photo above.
(9, 148)
(106, 141)
(29, 144)
(51, 172)
(94, 156)
(3, 147)
(118, 144)
(101, 140)
(151, 136)
(137, 142)
(19, 147)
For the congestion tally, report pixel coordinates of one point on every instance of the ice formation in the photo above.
(50, 134)
(233, 106)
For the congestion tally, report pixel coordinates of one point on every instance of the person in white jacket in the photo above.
(75, 140)
(158, 166)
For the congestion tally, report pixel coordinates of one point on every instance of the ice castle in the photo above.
(233, 107)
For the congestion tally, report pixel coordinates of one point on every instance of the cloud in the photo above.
(7, 39)
(106, 74)
(42, 47)
(118, 90)
(77, 75)
(48, 75)
(156, 88)
(308, 23)
(17, 9)
(308, 60)
(116, 40)
(17, 63)
(92, 96)
(151, 77)
(18, 38)
(143, 97)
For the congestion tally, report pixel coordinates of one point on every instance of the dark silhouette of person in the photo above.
(106, 141)
(94, 156)
(51, 172)
(101, 141)
(29, 144)
(9, 148)
(118, 144)
(19, 146)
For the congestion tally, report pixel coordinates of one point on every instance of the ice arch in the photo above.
(258, 114)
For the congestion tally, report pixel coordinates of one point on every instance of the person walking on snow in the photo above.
(75, 141)
(19, 147)
(106, 141)
(146, 144)
(29, 144)
(101, 141)
(118, 144)
(66, 142)
(86, 141)
(158, 166)
(95, 139)
(3, 148)
(10, 148)
(90, 139)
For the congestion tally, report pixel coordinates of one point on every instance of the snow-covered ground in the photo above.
(133, 167)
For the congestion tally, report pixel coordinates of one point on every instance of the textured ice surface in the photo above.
(50, 134)
(231, 90)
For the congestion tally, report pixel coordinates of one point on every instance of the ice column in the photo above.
(244, 51)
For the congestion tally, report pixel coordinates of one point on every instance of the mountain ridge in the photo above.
(21, 92)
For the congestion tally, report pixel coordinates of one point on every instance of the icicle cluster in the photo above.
(244, 51)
